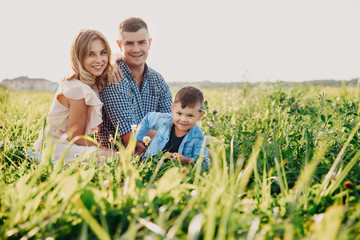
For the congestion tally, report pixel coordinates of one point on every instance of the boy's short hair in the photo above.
(132, 24)
(189, 96)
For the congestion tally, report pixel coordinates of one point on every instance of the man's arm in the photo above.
(119, 109)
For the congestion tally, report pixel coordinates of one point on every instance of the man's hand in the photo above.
(115, 77)
(184, 160)
(118, 58)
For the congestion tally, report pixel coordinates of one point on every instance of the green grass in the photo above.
(278, 174)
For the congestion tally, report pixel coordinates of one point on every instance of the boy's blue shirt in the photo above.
(190, 146)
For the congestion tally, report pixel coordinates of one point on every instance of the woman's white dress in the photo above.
(57, 121)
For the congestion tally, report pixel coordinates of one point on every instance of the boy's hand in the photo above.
(185, 160)
(140, 147)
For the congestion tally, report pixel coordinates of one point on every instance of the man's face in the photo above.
(135, 47)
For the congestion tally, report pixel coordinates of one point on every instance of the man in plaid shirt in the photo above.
(141, 89)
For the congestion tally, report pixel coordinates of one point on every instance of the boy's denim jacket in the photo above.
(162, 122)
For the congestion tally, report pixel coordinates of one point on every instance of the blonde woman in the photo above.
(76, 108)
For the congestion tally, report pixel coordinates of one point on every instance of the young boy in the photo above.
(176, 132)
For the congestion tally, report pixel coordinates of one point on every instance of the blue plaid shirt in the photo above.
(126, 104)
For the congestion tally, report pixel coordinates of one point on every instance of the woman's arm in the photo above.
(77, 120)
(77, 125)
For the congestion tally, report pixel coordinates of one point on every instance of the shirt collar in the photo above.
(127, 72)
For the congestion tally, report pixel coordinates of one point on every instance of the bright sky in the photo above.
(193, 40)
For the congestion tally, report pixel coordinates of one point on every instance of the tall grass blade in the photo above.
(308, 171)
(195, 227)
(180, 219)
(253, 229)
(334, 185)
(91, 221)
(281, 174)
(338, 159)
(329, 226)
(152, 227)
(244, 176)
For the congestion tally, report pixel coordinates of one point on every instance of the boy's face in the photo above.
(185, 118)
(135, 47)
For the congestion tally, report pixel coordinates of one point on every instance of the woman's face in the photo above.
(97, 59)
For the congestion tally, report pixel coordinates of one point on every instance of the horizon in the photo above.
(202, 81)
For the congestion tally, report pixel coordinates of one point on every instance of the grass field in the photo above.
(287, 167)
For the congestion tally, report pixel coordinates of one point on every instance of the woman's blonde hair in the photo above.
(80, 49)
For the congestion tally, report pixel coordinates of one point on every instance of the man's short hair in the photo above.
(132, 24)
(189, 96)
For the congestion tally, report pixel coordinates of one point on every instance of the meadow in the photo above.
(285, 166)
